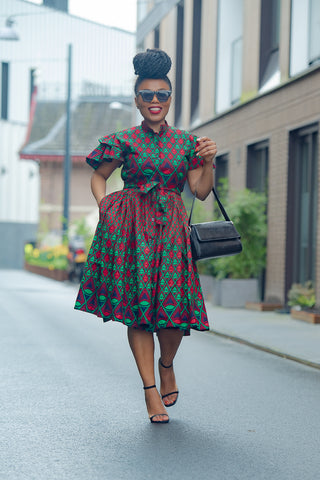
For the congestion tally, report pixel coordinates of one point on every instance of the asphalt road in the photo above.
(72, 403)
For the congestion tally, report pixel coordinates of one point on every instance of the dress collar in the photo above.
(146, 128)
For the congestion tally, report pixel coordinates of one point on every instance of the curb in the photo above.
(266, 349)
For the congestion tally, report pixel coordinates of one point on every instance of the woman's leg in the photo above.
(169, 341)
(142, 346)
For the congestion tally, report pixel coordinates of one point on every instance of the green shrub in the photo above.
(248, 212)
(302, 295)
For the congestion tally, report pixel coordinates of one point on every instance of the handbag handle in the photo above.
(222, 210)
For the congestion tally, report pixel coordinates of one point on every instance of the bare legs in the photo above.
(169, 341)
(142, 346)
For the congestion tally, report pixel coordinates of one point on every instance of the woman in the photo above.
(139, 269)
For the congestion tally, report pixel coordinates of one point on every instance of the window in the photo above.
(229, 54)
(32, 82)
(302, 206)
(257, 167)
(236, 70)
(269, 72)
(314, 32)
(4, 90)
(257, 180)
(221, 174)
(195, 72)
(305, 35)
(179, 64)
(156, 41)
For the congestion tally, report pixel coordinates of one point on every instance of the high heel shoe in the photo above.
(157, 414)
(176, 392)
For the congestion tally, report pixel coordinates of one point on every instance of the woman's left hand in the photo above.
(206, 149)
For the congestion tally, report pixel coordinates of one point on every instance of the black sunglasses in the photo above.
(147, 95)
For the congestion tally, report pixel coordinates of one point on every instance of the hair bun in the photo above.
(153, 63)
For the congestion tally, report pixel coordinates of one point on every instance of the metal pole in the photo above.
(67, 160)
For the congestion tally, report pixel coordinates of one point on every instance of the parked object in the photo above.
(76, 258)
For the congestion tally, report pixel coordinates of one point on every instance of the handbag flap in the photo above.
(218, 230)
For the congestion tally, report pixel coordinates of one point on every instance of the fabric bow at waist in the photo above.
(159, 197)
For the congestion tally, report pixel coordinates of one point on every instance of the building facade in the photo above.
(247, 74)
(37, 55)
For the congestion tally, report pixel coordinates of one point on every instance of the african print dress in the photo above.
(139, 269)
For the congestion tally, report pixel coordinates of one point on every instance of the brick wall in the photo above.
(271, 116)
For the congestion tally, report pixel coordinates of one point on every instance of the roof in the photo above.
(91, 118)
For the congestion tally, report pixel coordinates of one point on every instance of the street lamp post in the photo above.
(67, 158)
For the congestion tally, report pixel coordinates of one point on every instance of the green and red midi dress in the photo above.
(139, 269)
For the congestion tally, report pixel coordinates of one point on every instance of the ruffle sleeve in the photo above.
(193, 161)
(109, 149)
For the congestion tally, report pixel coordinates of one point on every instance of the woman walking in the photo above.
(139, 269)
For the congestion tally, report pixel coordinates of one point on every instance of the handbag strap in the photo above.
(222, 209)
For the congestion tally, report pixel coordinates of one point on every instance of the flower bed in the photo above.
(59, 275)
(51, 262)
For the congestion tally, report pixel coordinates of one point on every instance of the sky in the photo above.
(115, 13)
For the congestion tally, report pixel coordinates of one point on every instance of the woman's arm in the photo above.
(201, 179)
(99, 178)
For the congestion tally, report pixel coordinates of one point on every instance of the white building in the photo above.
(102, 65)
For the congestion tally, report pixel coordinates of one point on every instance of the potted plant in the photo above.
(302, 299)
(236, 277)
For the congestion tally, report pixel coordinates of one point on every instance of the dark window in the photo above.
(221, 174)
(4, 90)
(179, 64)
(257, 180)
(195, 73)
(156, 41)
(302, 206)
(32, 82)
(257, 167)
(269, 40)
(57, 4)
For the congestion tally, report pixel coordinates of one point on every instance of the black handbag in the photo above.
(214, 239)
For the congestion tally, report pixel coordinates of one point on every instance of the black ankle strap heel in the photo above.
(166, 420)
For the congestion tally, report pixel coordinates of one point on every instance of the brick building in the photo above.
(247, 74)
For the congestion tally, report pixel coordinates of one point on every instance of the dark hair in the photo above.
(153, 63)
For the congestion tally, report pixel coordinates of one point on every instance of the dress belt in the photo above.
(159, 197)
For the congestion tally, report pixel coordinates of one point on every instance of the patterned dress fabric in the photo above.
(139, 269)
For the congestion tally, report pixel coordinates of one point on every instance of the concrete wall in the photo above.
(13, 237)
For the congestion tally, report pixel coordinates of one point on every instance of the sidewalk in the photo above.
(275, 333)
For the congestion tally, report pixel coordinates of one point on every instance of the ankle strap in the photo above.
(147, 388)
(164, 366)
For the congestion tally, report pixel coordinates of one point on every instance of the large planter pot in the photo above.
(234, 293)
(59, 275)
(305, 315)
(206, 282)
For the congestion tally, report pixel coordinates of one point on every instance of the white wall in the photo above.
(101, 55)
(19, 180)
(230, 26)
